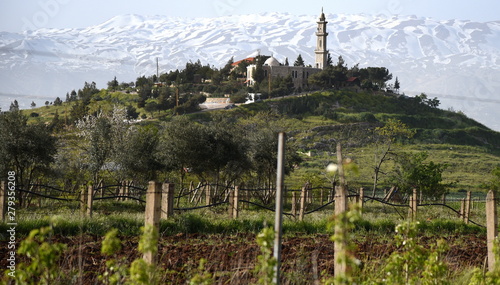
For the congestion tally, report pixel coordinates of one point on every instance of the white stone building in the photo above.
(273, 68)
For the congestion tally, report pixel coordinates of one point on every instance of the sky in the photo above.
(19, 15)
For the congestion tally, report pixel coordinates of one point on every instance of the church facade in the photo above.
(273, 68)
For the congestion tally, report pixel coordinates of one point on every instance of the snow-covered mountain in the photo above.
(458, 61)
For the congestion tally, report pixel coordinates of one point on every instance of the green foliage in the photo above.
(111, 243)
(492, 276)
(299, 61)
(265, 261)
(43, 254)
(142, 273)
(202, 277)
(494, 182)
(116, 270)
(28, 149)
(394, 129)
(412, 172)
(414, 263)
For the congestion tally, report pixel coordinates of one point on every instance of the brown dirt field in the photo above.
(232, 257)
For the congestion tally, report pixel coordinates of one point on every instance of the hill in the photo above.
(456, 57)
(316, 122)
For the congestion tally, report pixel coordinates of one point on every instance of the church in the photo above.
(273, 68)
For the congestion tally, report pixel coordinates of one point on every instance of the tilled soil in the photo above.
(231, 258)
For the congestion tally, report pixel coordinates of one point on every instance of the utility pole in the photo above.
(157, 70)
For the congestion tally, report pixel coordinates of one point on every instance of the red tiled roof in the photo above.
(249, 60)
(352, 79)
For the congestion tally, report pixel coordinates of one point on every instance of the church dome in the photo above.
(272, 62)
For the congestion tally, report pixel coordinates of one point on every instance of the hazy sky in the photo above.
(18, 15)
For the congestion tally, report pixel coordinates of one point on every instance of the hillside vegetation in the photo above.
(315, 122)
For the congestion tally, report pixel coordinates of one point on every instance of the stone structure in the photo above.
(321, 38)
(273, 68)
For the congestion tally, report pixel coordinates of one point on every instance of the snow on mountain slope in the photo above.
(442, 58)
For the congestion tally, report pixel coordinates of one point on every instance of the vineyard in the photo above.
(219, 224)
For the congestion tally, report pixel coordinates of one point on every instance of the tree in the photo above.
(132, 113)
(136, 154)
(384, 139)
(227, 68)
(73, 96)
(299, 61)
(258, 72)
(322, 79)
(412, 172)
(494, 182)
(58, 102)
(14, 106)
(88, 90)
(33, 104)
(113, 84)
(423, 99)
(78, 111)
(397, 85)
(56, 123)
(99, 135)
(27, 149)
(329, 61)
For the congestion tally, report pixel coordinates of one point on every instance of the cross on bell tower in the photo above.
(321, 34)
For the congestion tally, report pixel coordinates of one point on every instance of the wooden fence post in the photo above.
(309, 193)
(127, 190)
(294, 204)
(412, 214)
(340, 200)
(101, 188)
(236, 203)
(302, 203)
(90, 200)
(153, 213)
(467, 208)
(83, 199)
(462, 209)
(230, 209)
(491, 227)
(167, 200)
(3, 198)
(208, 195)
(340, 268)
(321, 195)
(361, 198)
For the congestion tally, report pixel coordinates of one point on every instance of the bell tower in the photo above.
(321, 34)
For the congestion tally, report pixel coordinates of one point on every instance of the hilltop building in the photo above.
(273, 68)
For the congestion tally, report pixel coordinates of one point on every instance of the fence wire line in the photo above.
(366, 198)
(50, 187)
(45, 196)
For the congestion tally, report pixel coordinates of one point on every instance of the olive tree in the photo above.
(27, 149)
(100, 136)
(413, 171)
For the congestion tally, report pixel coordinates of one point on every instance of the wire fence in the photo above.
(190, 197)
